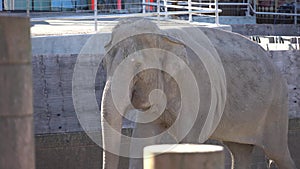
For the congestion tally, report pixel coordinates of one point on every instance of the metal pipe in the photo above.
(223, 4)
(144, 6)
(158, 11)
(193, 8)
(254, 4)
(190, 10)
(274, 13)
(95, 14)
(27, 7)
(166, 8)
(248, 8)
(295, 11)
(217, 12)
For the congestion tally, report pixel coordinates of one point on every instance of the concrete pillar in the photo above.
(184, 156)
(16, 120)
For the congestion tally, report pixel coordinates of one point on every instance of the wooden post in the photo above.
(184, 156)
(16, 121)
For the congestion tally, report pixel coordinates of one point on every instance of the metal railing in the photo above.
(185, 10)
(189, 7)
(166, 8)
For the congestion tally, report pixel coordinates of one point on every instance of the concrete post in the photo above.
(16, 121)
(183, 156)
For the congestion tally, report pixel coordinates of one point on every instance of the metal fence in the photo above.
(161, 9)
(277, 12)
(272, 11)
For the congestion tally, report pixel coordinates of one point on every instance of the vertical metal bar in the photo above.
(254, 7)
(144, 6)
(217, 12)
(200, 1)
(32, 5)
(27, 7)
(158, 10)
(12, 5)
(166, 9)
(295, 11)
(95, 14)
(190, 10)
(248, 8)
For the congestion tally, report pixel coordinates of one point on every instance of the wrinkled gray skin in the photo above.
(255, 110)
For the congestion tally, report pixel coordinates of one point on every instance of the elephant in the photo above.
(241, 100)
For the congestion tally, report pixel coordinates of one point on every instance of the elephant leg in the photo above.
(275, 146)
(241, 155)
(111, 122)
(282, 159)
(275, 135)
(143, 131)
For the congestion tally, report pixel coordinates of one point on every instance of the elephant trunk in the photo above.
(111, 121)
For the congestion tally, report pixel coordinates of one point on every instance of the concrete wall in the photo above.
(267, 29)
(53, 104)
(289, 64)
(58, 45)
(227, 20)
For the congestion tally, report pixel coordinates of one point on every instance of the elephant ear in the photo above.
(125, 30)
(130, 27)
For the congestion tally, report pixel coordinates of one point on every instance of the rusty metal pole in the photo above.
(184, 156)
(16, 120)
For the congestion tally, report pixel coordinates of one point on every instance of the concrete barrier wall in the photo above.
(267, 29)
(53, 104)
(58, 45)
(289, 64)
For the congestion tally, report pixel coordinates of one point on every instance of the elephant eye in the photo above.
(138, 65)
